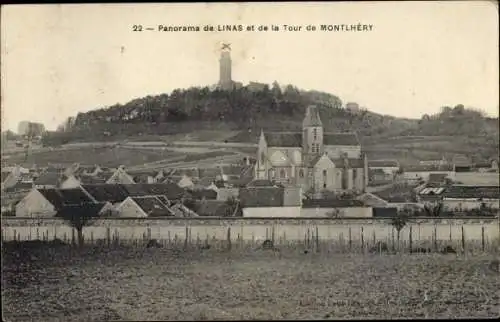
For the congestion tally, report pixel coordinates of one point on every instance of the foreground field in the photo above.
(163, 284)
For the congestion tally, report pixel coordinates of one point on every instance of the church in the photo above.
(314, 160)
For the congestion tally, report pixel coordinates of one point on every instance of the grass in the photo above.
(207, 155)
(167, 284)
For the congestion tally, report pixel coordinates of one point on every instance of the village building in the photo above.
(462, 198)
(267, 201)
(143, 207)
(313, 160)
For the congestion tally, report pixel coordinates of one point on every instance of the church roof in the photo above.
(339, 163)
(312, 117)
(284, 139)
(340, 139)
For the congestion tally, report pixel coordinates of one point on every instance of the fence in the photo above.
(349, 239)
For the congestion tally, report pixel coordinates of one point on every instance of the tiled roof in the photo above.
(48, 178)
(437, 177)
(330, 203)
(91, 180)
(74, 196)
(20, 186)
(86, 210)
(348, 139)
(283, 139)
(372, 200)
(170, 190)
(472, 192)
(105, 175)
(107, 192)
(261, 197)
(179, 210)
(383, 163)
(5, 174)
(239, 183)
(431, 191)
(152, 206)
(212, 208)
(53, 196)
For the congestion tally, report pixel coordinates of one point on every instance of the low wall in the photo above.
(255, 228)
(358, 212)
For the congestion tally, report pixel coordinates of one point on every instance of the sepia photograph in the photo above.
(250, 161)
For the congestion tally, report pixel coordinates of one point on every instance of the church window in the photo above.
(282, 173)
(324, 185)
(301, 173)
(315, 134)
(262, 157)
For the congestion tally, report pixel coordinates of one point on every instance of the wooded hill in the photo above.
(271, 109)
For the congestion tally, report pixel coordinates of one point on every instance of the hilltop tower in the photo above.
(312, 134)
(225, 80)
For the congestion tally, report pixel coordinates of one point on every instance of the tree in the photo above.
(80, 217)
(433, 209)
(276, 90)
(399, 222)
(234, 207)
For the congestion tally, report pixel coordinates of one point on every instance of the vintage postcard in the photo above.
(250, 161)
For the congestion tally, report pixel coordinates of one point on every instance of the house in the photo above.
(422, 172)
(461, 163)
(311, 158)
(9, 178)
(46, 202)
(88, 210)
(269, 202)
(171, 191)
(48, 180)
(90, 180)
(112, 193)
(463, 198)
(180, 210)
(226, 193)
(215, 208)
(388, 166)
(120, 176)
(429, 194)
(186, 182)
(379, 176)
(335, 208)
(372, 200)
(19, 187)
(437, 178)
(69, 182)
(143, 206)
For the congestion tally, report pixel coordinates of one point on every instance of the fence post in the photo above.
(450, 234)
(362, 240)
(186, 239)
(15, 235)
(72, 236)
(272, 234)
(55, 232)
(108, 235)
(411, 239)
(350, 240)
(37, 233)
(229, 238)
(463, 239)
(267, 233)
(92, 237)
(482, 238)
(435, 239)
(317, 239)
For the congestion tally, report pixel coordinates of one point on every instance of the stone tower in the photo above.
(225, 80)
(312, 134)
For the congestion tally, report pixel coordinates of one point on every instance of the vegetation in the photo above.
(399, 222)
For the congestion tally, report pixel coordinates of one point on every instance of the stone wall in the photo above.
(255, 228)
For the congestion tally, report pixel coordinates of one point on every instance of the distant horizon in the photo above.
(418, 58)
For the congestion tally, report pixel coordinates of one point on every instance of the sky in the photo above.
(58, 60)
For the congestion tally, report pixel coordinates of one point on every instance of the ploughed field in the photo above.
(163, 284)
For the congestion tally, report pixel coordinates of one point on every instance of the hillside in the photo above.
(273, 109)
